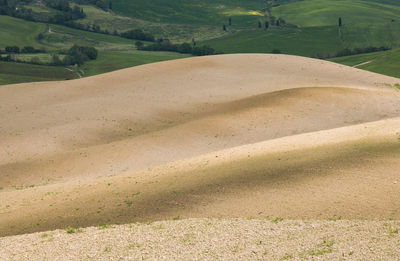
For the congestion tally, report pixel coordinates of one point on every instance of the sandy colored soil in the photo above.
(231, 136)
(213, 239)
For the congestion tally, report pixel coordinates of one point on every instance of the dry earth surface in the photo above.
(229, 136)
(213, 239)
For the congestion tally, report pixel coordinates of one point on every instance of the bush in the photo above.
(12, 49)
(80, 54)
(138, 34)
(179, 48)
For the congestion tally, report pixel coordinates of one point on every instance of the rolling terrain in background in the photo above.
(310, 29)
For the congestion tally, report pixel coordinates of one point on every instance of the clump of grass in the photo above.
(128, 203)
(104, 226)
(397, 85)
(176, 218)
(393, 231)
(71, 230)
(161, 226)
(276, 220)
(335, 218)
(287, 257)
(324, 248)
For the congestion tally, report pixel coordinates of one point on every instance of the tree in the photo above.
(230, 21)
(340, 21)
(184, 48)
(110, 5)
(28, 49)
(55, 60)
(139, 45)
(12, 49)
(266, 24)
(224, 27)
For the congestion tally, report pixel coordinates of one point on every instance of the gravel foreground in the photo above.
(213, 239)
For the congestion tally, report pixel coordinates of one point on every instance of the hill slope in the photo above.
(200, 137)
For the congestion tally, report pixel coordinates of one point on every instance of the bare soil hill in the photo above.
(220, 136)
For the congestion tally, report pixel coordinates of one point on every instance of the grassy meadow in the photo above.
(175, 32)
(11, 72)
(14, 31)
(386, 62)
(111, 61)
(326, 12)
(114, 52)
(297, 41)
(202, 12)
(312, 29)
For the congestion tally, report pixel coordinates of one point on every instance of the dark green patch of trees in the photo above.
(355, 51)
(185, 48)
(64, 12)
(16, 49)
(138, 34)
(75, 55)
(102, 4)
(79, 55)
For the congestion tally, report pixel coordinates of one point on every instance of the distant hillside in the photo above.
(298, 27)
(205, 12)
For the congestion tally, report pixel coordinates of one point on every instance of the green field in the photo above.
(114, 52)
(204, 12)
(302, 41)
(19, 72)
(313, 30)
(19, 32)
(326, 12)
(44, 58)
(387, 62)
(111, 61)
(175, 32)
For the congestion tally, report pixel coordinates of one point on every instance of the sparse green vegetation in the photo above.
(128, 203)
(104, 226)
(287, 257)
(394, 231)
(70, 230)
(276, 220)
(335, 218)
(324, 248)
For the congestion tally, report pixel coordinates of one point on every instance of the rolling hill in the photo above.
(132, 146)
(242, 155)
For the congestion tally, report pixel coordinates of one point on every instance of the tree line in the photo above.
(185, 48)
(64, 11)
(76, 55)
(355, 51)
